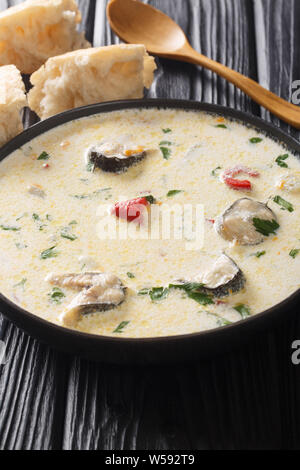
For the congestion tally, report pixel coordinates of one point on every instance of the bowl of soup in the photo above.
(149, 230)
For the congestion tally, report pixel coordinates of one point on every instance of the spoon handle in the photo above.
(286, 111)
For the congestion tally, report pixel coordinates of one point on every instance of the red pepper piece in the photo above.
(130, 210)
(238, 184)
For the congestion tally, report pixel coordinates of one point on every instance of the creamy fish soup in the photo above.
(121, 168)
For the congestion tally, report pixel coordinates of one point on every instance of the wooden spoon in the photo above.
(138, 23)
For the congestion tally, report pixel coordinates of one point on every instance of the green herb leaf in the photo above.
(265, 227)
(259, 254)
(50, 253)
(150, 199)
(283, 203)
(7, 228)
(214, 172)
(221, 126)
(294, 253)
(90, 167)
(166, 152)
(130, 275)
(92, 195)
(144, 292)
(56, 296)
(174, 192)
(74, 222)
(22, 216)
(193, 291)
(158, 293)
(44, 156)
(281, 160)
(165, 142)
(255, 140)
(65, 233)
(166, 131)
(121, 327)
(201, 298)
(243, 311)
(36, 217)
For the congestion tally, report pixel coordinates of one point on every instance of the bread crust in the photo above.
(102, 74)
(35, 30)
(12, 101)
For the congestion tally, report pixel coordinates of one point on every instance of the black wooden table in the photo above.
(247, 399)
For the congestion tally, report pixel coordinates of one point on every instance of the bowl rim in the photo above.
(245, 118)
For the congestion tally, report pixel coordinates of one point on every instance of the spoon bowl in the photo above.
(138, 23)
(135, 23)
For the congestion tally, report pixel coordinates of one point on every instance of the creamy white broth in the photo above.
(198, 147)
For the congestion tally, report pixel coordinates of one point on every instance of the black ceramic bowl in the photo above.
(151, 350)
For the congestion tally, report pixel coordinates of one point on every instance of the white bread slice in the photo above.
(91, 76)
(35, 30)
(12, 100)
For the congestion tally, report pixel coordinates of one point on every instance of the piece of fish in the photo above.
(223, 278)
(236, 223)
(99, 292)
(115, 157)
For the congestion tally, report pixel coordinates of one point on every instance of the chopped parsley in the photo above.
(284, 204)
(66, 233)
(265, 227)
(144, 291)
(167, 131)
(215, 171)
(255, 140)
(221, 126)
(165, 149)
(90, 167)
(295, 252)
(130, 275)
(44, 156)
(166, 152)
(8, 228)
(22, 216)
(281, 160)
(158, 293)
(91, 195)
(50, 253)
(174, 192)
(151, 199)
(37, 219)
(259, 254)
(192, 290)
(56, 296)
(121, 327)
(243, 311)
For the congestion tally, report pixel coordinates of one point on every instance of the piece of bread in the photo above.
(35, 30)
(12, 101)
(91, 76)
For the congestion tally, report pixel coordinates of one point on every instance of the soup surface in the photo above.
(52, 196)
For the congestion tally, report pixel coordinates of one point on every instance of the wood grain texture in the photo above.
(246, 399)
